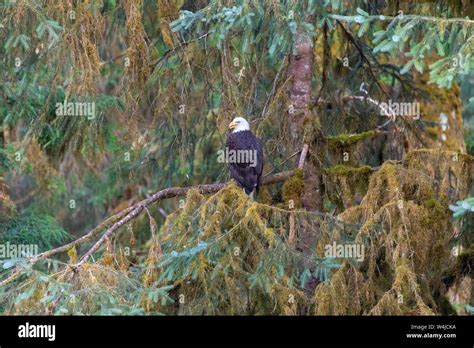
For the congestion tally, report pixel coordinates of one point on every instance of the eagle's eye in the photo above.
(234, 124)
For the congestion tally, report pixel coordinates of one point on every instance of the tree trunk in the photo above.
(299, 116)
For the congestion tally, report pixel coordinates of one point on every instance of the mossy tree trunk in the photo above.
(299, 118)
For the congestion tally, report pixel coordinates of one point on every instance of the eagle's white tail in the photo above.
(250, 195)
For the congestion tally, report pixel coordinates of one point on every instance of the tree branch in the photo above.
(304, 152)
(168, 193)
(129, 214)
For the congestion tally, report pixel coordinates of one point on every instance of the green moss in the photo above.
(433, 204)
(436, 212)
(293, 188)
(345, 140)
(432, 132)
(342, 170)
(346, 185)
(264, 196)
(469, 139)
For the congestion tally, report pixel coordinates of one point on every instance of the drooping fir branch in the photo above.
(139, 207)
(440, 36)
(114, 222)
(364, 57)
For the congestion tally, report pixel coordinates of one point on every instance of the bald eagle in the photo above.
(245, 156)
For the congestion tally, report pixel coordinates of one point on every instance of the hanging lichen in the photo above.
(411, 205)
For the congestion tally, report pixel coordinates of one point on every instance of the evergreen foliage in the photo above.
(165, 78)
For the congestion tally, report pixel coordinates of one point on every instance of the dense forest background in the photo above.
(113, 197)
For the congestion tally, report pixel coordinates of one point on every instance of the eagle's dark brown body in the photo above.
(248, 174)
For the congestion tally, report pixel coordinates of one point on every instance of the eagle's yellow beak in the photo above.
(232, 125)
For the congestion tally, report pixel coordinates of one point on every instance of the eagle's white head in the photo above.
(239, 124)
